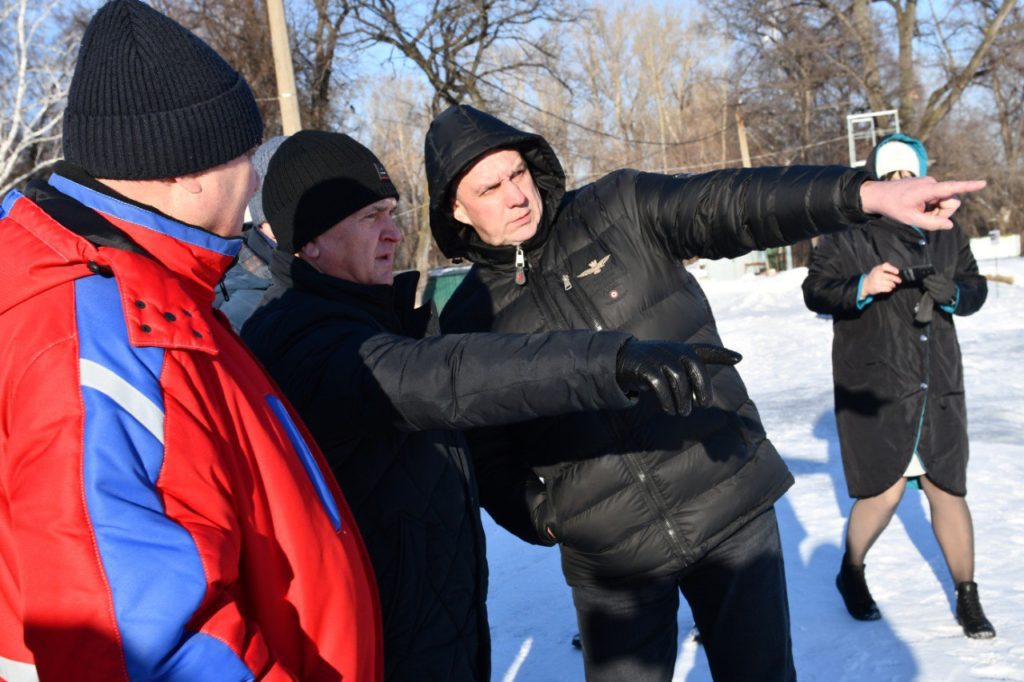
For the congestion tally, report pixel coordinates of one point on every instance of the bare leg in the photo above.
(869, 516)
(951, 521)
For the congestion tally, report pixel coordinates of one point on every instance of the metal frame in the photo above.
(863, 127)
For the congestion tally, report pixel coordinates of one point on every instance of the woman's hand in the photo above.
(882, 279)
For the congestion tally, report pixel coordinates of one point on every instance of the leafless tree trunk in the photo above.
(983, 18)
(942, 99)
(318, 58)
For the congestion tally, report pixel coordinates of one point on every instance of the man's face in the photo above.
(360, 248)
(228, 188)
(498, 198)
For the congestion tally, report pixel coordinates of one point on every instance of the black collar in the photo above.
(80, 219)
(259, 244)
(392, 305)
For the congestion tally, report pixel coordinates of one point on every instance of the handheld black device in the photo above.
(916, 273)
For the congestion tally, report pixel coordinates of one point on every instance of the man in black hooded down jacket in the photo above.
(339, 334)
(642, 504)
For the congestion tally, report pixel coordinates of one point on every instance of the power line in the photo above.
(712, 165)
(451, 64)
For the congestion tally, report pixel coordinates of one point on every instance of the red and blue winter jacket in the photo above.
(163, 513)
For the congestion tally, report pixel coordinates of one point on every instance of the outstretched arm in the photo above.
(921, 202)
(727, 213)
(467, 380)
(730, 212)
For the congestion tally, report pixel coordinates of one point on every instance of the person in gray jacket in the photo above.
(245, 282)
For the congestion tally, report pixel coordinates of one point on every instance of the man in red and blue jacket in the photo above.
(163, 513)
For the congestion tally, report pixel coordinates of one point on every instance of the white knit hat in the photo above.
(897, 156)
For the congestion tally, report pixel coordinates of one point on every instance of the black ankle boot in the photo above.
(969, 614)
(854, 590)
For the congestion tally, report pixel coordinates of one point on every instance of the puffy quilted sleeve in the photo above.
(829, 288)
(727, 213)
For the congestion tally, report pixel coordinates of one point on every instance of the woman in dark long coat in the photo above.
(892, 292)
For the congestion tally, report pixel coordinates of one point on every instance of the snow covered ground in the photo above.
(787, 369)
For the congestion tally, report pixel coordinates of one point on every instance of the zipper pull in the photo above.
(566, 282)
(520, 265)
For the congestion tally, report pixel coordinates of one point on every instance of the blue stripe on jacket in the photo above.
(228, 246)
(152, 564)
(308, 460)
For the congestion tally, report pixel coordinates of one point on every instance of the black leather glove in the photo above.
(941, 287)
(676, 372)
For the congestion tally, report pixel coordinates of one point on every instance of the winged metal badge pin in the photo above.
(595, 267)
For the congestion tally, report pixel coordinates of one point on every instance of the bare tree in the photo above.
(461, 48)
(965, 29)
(397, 119)
(646, 99)
(849, 40)
(453, 43)
(323, 46)
(794, 75)
(1002, 204)
(239, 30)
(36, 62)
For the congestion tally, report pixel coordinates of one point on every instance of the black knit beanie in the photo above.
(150, 100)
(315, 180)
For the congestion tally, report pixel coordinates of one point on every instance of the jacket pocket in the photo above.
(595, 274)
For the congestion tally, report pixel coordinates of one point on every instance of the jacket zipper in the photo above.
(548, 308)
(655, 500)
(520, 265)
(633, 462)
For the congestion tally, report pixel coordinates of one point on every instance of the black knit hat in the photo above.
(150, 100)
(315, 180)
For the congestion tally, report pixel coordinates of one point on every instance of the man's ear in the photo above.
(459, 212)
(310, 250)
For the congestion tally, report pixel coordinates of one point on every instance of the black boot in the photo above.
(854, 589)
(969, 614)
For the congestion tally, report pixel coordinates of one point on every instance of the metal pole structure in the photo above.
(290, 121)
(868, 130)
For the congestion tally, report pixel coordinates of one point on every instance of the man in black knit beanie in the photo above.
(163, 514)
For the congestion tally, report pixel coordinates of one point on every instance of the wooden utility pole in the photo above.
(286, 97)
(741, 131)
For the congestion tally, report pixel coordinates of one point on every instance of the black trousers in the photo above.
(738, 597)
